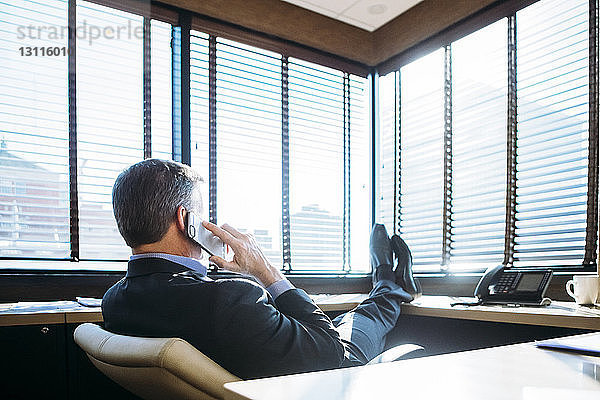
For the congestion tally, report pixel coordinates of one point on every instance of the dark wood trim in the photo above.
(297, 32)
(447, 207)
(212, 129)
(54, 286)
(285, 167)
(397, 152)
(186, 147)
(147, 87)
(510, 221)
(346, 145)
(72, 97)
(144, 8)
(282, 20)
(446, 20)
(49, 286)
(591, 237)
(276, 44)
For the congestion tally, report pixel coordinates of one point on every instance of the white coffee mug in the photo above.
(584, 288)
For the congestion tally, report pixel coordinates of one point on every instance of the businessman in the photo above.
(251, 329)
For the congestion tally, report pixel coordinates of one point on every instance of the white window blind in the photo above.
(421, 161)
(387, 162)
(161, 79)
(34, 123)
(316, 166)
(552, 139)
(479, 112)
(199, 107)
(110, 120)
(249, 143)
(328, 157)
(360, 174)
(34, 135)
(109, 124)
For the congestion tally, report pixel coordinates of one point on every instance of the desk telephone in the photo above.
(501, 286)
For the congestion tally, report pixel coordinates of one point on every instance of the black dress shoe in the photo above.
(381, 254)
(404, 274)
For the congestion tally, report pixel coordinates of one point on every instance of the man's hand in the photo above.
(248, 257)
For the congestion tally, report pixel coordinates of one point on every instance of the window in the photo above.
(479, 112)
(485, 151)
(108, 117)
(387, 151)
(261, 122)
(109, 124)
(316, 165)
(199, 121)
(360, 175)
(328, 194)
(326, 159)
(34, 135)
(552, 138)
(249, 143)
(161, 99)
(491, 135)
(422, 157)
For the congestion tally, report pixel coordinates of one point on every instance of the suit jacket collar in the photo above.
(147, 266)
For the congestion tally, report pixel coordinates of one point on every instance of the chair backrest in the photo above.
(153, 368)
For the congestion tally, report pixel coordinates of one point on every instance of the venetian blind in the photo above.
(479, 104)
(422, 158)
(34, 134)
(552, 138)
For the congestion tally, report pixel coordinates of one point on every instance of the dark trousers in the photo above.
(363, 329)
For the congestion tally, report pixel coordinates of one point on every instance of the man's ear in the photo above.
(180, 220)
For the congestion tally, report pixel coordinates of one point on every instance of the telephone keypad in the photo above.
(506, 283)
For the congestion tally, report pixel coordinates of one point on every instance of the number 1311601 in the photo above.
(43, 51)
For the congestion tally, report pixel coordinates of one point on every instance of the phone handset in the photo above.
(489, 278)
(199, 234)
(482, 291)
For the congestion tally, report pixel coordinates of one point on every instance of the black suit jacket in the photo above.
(235, 322)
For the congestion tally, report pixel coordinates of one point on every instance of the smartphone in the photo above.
(199, 234)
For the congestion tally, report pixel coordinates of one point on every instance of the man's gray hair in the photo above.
(146, 197)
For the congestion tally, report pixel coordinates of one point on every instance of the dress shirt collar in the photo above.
(189, 263)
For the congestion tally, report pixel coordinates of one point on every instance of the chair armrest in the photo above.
(395, 353)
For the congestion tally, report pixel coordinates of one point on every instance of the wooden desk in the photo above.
(559, 314)
(519, 371)
(49, 312)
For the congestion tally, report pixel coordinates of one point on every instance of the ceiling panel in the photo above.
(365, 14)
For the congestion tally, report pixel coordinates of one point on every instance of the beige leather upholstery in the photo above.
(153, 368)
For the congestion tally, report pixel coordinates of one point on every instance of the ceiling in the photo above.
(366, 14)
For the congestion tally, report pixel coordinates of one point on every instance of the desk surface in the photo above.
(560, 314)
(519, 371)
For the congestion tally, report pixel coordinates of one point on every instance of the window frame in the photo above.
(173, 15)
(444, 39)
(184, 22)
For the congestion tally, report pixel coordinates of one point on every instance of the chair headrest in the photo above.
(121, 350)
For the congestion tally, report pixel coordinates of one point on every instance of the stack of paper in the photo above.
(582, 344)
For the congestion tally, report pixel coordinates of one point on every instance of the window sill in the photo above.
(35, 280)
(51, 266)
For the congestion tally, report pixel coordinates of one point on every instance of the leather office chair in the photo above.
(153, 368)
(158, 368)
